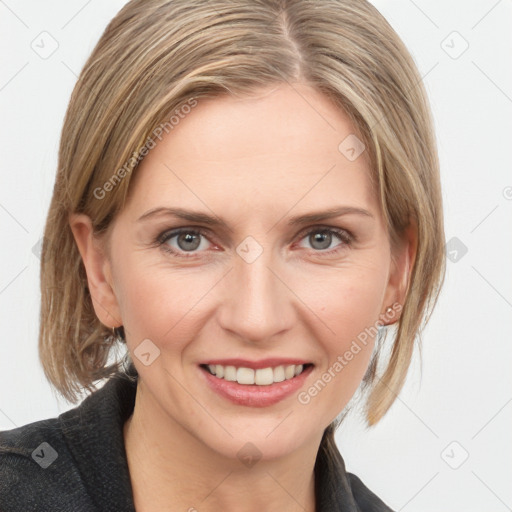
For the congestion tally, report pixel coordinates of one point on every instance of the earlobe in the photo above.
(97, 267)
(403, 259)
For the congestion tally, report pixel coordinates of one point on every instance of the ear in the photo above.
(97, 267)
(403, 256)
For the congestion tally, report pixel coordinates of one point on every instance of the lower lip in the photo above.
(253, 395)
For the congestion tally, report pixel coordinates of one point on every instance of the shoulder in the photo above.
(366, 500)
(36, 469)
(74, 462)
(337, 489)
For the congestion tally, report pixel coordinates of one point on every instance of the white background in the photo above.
(458, 402)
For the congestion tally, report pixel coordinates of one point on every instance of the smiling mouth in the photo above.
(260, 377)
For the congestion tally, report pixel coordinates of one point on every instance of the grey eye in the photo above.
(320, 240)
(188, 241)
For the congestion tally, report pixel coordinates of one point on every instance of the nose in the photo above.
(258, 304)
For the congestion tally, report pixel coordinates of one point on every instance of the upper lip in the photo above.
(255, 365)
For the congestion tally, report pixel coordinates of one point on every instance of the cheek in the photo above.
(158, 303)
(349, 306)
(348, 299)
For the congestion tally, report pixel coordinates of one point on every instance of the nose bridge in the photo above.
(257, 304)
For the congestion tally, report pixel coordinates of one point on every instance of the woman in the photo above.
(247, 197)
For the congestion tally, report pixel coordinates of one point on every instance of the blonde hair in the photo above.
(157, 56)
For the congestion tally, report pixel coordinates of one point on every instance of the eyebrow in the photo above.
(212, 220)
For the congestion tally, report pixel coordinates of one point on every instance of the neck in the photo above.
(168, 464)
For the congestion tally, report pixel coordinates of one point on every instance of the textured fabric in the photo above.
(90, 471)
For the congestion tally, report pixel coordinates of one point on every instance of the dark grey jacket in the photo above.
(77, 462)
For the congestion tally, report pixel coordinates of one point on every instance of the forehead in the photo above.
(267, 152)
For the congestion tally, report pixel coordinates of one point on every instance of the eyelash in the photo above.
(345, 237)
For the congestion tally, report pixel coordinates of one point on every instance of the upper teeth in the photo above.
(261, 377)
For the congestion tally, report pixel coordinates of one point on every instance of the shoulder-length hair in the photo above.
(154, 62)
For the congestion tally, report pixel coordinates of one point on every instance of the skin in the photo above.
(255, 162)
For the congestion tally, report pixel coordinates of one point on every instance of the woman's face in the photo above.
(248, 284)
